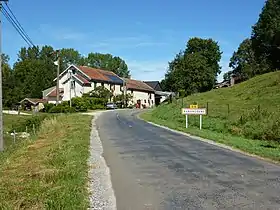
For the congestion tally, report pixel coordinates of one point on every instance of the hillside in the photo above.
(247, 110)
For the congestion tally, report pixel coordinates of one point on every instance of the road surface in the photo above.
(153, 168)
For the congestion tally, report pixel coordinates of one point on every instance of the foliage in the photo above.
(195, 69)
(62, 108)
(29, 122)
(71, 56)
(244, 63)
(34, 71)
(94, 103)
(47, 107)
(266, 36)
(100, 92)
(227, 75)
(108, 62)
(79, 104)
(121, 100)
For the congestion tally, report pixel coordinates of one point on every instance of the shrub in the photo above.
(29, 122)
(62, 108)
(79, 104)
(47, 107)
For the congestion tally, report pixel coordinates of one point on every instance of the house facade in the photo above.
(142, 94)
(77, 80)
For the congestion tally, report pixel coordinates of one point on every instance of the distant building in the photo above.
(160, 96)
(77, 80)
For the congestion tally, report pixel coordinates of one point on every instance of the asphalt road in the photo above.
(153, 168)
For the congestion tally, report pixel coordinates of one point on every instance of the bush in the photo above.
(95, 103)
(79, 104)
(47, 107)
(29, 122)
(62, 108)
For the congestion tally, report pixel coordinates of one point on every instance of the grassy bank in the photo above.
(49, 172)
(245, 116)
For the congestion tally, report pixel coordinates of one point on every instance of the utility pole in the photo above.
(70, 74)
(1, 94)
(57, 77)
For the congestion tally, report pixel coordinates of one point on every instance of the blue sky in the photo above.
(146, 33)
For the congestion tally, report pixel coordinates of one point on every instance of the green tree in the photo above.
(71, 56)
(100, 92)
(227, 75)
(108, 62)
(195, 69)
(8, 84)
(266, 36)
(243, 61)
(34, 71)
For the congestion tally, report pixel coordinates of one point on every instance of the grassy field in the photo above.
(245, 116)
(49, 171)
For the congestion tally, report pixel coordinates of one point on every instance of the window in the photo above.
(145, 101)
(72, 85)
(95, 84)
(150, 96)
(102, 84)
(152, 102)
(131, 91)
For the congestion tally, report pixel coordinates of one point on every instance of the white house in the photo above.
(143, 94)
(83, 79)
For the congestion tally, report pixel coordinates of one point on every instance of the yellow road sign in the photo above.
(193, 106)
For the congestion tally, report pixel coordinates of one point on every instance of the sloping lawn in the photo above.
(245, 116)
(49, 172)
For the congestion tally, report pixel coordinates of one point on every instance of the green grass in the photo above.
(245, 116)
(50, 171)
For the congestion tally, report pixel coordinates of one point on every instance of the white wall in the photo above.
(75, 92)
(144, 97)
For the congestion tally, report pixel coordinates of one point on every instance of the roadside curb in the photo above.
(101, 191)
(212, 142)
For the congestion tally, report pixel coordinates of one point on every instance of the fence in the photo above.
(256, 121)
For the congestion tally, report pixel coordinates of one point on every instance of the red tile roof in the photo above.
(85, 81)
(138, 85)
(94, 73)
(53, 92)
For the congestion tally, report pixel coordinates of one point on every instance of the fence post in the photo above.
(207, 107)
(14, 136)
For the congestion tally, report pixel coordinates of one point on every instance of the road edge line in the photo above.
(212, 142)
(101, 192)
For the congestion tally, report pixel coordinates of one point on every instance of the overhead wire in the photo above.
(17, 26)
(18, 23)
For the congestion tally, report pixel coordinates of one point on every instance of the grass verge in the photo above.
(265, 149)
(49, 172)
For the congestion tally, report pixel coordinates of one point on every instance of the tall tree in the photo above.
(195, 69)
(108, 62)
(8, 85)
(243, 61)
(266, 35)
(34, 71)
(71, 56)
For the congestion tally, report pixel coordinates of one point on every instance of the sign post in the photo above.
(194, 110)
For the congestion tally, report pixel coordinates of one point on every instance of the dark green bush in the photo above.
(62, 108)
(47, 107)
(79, 104)
(28, 123)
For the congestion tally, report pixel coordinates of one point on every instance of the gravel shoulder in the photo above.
(100, 187)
